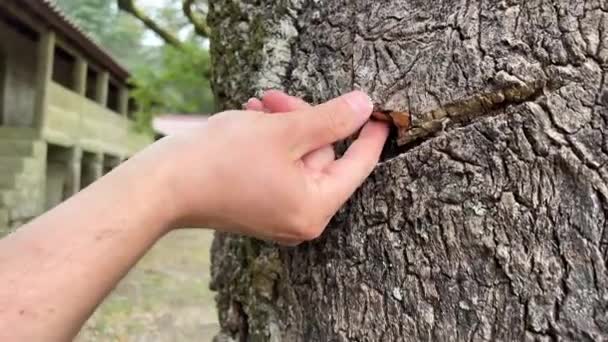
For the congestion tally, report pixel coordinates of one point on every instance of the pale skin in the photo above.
(273, 177)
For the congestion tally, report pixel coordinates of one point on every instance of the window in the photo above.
(57, 174)
(92, 79)
(18, 72)
(110, 162)
(64, 65)
(132, 108)
(113, 97)
(91, 168)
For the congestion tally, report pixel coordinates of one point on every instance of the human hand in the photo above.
(273, 177)
(273, 102)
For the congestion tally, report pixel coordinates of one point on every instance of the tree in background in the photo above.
(170, 75)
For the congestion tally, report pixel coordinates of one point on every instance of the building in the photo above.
(64, 110)
(169, 124)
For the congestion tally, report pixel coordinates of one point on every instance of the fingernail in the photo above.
(250, 103)
(246, 104)
(360, 102)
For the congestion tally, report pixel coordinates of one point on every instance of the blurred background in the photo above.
(171, 75)
(166, 297)
(84, 85)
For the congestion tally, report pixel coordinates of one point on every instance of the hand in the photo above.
(273, 177)
(278, 102)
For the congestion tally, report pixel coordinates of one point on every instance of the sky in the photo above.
(151, 3)
(151, 38)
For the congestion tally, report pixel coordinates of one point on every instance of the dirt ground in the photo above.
(166, 297)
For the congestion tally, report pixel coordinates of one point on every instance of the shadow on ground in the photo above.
(165, 297)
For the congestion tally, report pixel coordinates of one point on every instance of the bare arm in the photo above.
(267, 176)
(56, 269)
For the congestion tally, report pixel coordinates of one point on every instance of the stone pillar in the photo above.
(80, 76)
(92, 168)
(97, 166)
(103, 82)
(46, 55)
(74, 169)
(123, 100)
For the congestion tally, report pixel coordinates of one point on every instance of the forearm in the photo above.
(59, 267)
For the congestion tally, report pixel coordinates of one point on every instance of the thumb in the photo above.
(329, 122)
(345, 175)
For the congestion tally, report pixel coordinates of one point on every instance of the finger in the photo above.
(329, 122)
(346, 174)
(289, 243)
(320, 159)
(254, 105)
(278, 102)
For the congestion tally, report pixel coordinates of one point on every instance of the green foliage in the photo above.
(114, 30)
(93, 16)
(180, 86)
(166, 79)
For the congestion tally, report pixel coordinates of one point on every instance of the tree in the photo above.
(181, 83)
(192, 9)
(488, 225)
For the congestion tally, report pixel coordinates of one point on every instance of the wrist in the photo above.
(163, 196)
(178, 193)
(148, 184)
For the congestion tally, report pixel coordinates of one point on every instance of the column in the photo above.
(46, 55)
(92, 168)
(74, 165)
(80, 76)
(97, 166)
(103, 82)
(123, 100)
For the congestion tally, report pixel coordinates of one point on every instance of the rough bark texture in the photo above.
(491, 228)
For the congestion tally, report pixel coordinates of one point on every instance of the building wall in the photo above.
(18, 83)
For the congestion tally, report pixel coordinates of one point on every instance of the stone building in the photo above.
(64, 110)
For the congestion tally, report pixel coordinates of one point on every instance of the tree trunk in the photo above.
(491, 227)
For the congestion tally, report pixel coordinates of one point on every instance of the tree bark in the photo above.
(489, 228)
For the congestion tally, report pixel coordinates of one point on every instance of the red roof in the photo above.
(175, 123)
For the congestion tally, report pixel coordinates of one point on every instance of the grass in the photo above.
(165, 297)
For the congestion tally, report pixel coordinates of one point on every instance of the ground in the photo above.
(165, 297)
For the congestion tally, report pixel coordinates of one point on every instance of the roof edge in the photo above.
(53, 16)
